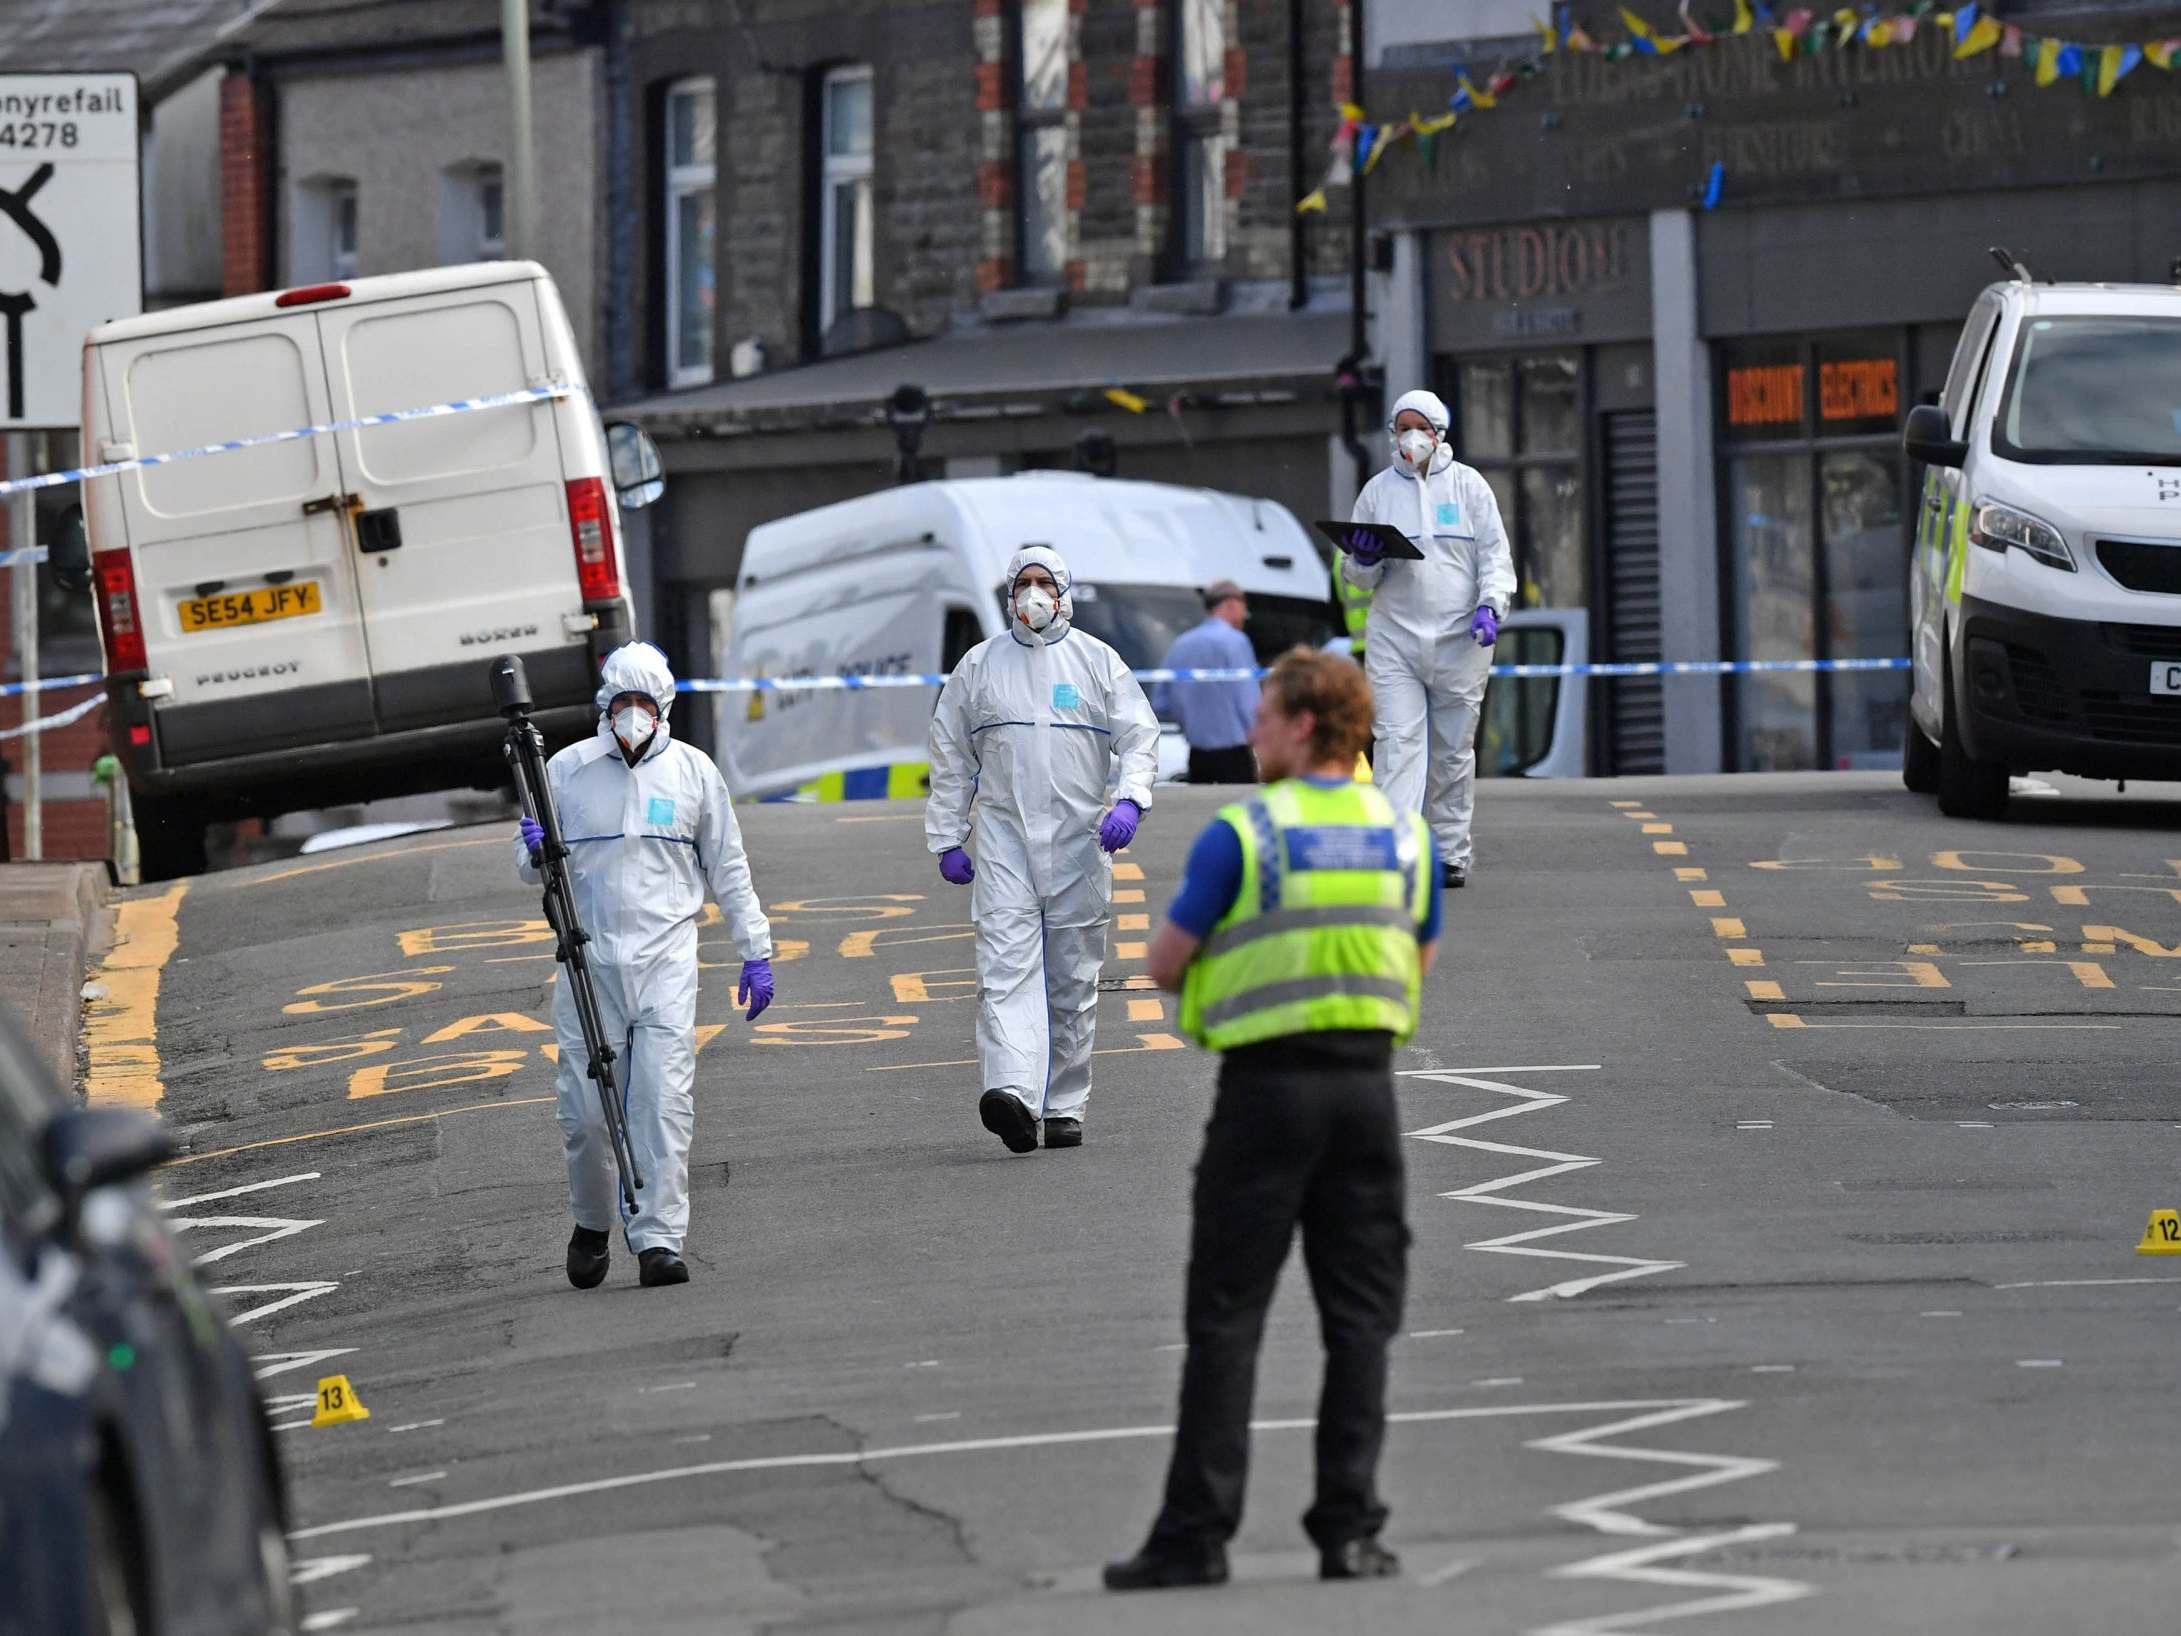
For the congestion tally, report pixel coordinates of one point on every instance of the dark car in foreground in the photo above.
(139, 1487)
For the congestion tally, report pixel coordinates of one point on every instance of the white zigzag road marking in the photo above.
(1555, 1164)
(1608, 1513)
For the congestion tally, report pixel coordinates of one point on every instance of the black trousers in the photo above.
(1235, 765)
(1297, 1137)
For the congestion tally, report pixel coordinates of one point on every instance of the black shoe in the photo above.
(657, 1267)
(1153, 1569)
(1359, 1559)
(1453, 875)
(589, 1254)
(1005, 1117)
(1063, 1133)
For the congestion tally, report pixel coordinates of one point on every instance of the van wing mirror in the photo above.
(89, 1148)
(68, 553)
(638, 476)
(1928, 437)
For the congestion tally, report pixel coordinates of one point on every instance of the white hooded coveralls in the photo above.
(1028, 729)
(1427, 672)
(645, 844)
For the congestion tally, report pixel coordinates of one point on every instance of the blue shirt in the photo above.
(1212, 879)
(1213, 715)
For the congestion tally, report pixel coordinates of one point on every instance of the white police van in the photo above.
(907, 580)
(311, 622)
(2047, 581)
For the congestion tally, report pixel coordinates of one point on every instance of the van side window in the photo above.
(1965, 379)
(960, 634)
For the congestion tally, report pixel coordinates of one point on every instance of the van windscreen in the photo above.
(1140, 622)
(2094, 391)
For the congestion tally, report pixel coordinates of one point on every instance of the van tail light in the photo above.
(117, 609)
(310, 295)
(593, 532)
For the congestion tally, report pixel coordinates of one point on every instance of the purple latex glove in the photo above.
(1366, 548)
(955, 867)
(1484, 626)
(755, 989)
(1120, 826)
(533, 834)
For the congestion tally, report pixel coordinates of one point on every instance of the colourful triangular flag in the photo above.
(2010, 44)
(2120, 61)
(1904, 30)
(1965, 20)
(2069, 61)
(2161, 53)
(1640, 32)
(2048, 61)
(1983, 34)
(1744, 18)
(1313, 200)
(1695, 30)
(1477, 98)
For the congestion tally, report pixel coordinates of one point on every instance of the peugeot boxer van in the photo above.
(906, 581)
(311, 622)
(2046, 589)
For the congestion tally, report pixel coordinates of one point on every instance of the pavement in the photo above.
(1778, 1154)
(49, 925)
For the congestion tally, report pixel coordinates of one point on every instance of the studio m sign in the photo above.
(1587, 280)
(71, 234)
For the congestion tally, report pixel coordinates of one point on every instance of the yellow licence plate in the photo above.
(213, 613)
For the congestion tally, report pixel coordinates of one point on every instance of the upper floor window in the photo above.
(1200, 140)
(1041, 138)
(846, 226)
(472, 212)
(691, 142)
(322, 241)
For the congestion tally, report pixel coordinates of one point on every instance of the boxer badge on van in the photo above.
(507, 633)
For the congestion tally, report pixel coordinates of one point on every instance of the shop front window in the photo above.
(1519, 421)
(1817, 546)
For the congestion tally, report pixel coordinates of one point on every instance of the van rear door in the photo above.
(246, 586)
(461, 528)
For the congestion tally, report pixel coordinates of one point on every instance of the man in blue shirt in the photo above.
(1215, 717)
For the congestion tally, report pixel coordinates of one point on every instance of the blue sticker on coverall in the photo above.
(661, 812)
(1450, 514)
(1065, 696)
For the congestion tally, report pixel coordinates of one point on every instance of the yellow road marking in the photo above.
(1132, 923)
(1624, 804)
(1133, 894)
(1764, 989)
(1147, 1011)
(1746, 957)
(1658, 829)
(1130, 951)
(122, 1027)
(373, 857)
(1708, 899)
(1727, 926)
(1685, 872)
(1780, 1019)
(1925, 948)
(1150, 1042)
(351, 1130)
(1128, 871)
(1671, 849)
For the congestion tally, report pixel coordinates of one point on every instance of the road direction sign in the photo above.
(71, 234)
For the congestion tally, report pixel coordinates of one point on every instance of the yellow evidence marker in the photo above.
(2163, 1235)
(338, 1403)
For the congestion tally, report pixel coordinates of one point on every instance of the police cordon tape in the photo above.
(1686, 667)
(433, 411)
(62, 718)
(28, 553)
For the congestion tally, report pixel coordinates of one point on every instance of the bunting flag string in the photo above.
(1359, 144)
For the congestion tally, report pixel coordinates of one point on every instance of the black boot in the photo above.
(660, 1266)
(1454, 875)
(1358, 1559)
(589, 1254)
(1163, 1567)
(1063, 1133)
(1005, 1117)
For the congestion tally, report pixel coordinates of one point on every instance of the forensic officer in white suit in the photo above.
(1031, 727)
(649, 829)
(1428, 645)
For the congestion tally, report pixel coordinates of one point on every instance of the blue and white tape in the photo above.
(459, 406)
(28, 553)
(1689, 667)
(48, 684)
(62, 718)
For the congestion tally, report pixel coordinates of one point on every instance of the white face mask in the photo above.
(1416, 448)
(634, 726)
(1036, 607)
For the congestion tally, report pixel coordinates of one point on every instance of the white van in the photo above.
(2047, 580)
(311, 622)
(906, 581)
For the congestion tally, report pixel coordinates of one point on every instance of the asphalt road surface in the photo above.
(1779, 1153)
